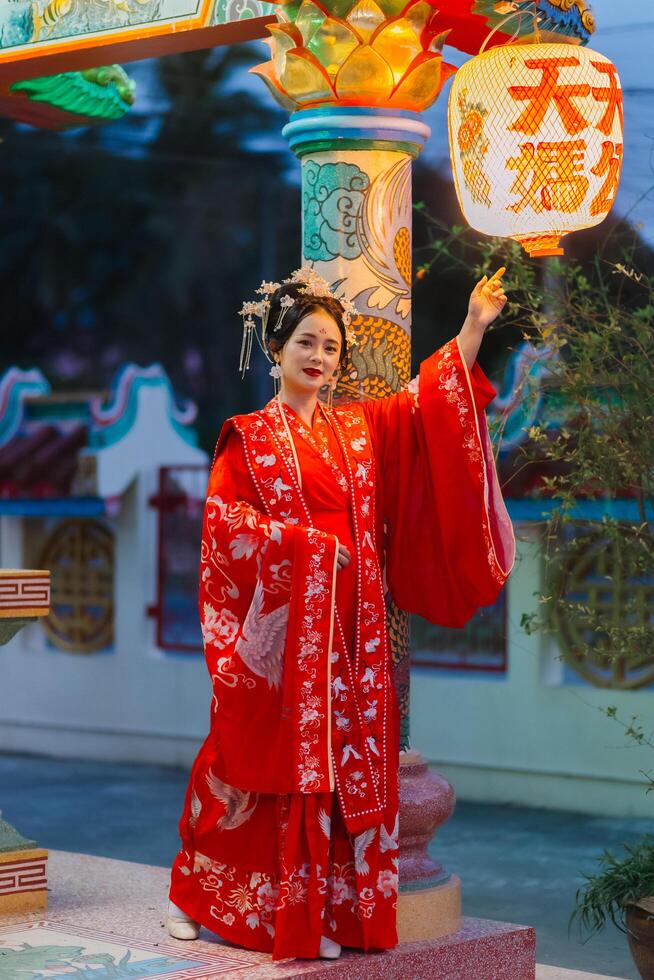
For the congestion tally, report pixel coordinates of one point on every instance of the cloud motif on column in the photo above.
(334, 195)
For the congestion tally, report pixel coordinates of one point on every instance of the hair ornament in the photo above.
(311, 285)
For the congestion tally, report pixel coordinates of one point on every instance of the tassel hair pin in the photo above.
(310, 285)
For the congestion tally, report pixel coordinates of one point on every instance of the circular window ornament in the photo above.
(602, 607)
(80, 556)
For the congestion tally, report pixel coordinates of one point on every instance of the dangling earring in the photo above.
(276, 373)
(330, 394)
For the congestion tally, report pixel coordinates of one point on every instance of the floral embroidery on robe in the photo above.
(290, 825)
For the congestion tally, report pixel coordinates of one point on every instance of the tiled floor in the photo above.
(106, 913)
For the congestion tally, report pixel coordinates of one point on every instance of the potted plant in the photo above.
(623, 892)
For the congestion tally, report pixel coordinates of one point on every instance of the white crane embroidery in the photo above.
(325, 823)
(361, 844)
(234, 800)
(388, 842)
(263, 637)
(342, 722)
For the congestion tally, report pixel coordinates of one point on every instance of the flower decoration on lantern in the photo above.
(536, 135)
(355, 53)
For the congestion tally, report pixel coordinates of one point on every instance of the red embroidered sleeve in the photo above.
(266, 596)
(449, 544)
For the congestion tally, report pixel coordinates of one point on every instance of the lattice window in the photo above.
(80, 556)
(180, 504)
(602, 592)
(480, 645)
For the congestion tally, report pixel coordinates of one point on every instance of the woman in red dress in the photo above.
(290, 825)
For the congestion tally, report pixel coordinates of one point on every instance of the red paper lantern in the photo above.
(536, 135)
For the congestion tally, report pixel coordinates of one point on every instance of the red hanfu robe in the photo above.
(290, 824)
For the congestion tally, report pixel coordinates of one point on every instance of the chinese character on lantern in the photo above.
(536, 141)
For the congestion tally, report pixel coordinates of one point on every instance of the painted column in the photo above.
(356, 231)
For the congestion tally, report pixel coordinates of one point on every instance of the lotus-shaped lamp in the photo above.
(361, 53)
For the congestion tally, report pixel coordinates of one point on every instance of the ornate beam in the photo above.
(44, 37)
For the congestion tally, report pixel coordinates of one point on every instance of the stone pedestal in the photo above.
(429, 904)
(24, 596)
(23, 881)
(23, 872)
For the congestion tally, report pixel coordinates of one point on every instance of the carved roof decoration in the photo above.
(89, 444)
(76, 98)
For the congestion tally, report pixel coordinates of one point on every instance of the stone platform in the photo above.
(110, 912)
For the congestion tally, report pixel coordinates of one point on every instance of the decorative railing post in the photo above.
(24, 597)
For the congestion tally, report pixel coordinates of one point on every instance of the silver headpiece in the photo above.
(312, 284)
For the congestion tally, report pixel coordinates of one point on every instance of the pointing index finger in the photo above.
(498, 275)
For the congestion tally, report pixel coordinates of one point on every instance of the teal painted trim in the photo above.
(58, 412)
(359, 125)
(452, 673)
(113, 422)
(15, 386)
(365, 112)
(53, 507)
(331, 145)
(590, 510)
(189, 436)
(224, 10)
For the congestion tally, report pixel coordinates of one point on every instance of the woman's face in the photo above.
(311, 355)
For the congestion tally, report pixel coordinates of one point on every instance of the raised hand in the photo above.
(487, 300)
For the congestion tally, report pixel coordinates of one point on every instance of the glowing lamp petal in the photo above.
(339, 8)
(267, 73)
(287, 9)
(286, 37)
(364, 77)
(418, 16)
(304, 79)
(308, 20)
(536, 136)
(332, 43)
(365, 17)
(398, 45)
(392, 8)
(422, 83)
(436, 42)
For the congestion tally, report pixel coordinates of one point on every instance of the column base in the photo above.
(429, 913)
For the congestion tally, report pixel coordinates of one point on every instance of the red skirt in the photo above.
(274, 873)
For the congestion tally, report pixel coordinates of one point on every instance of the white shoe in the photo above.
(329, 950)
(179, 925)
